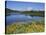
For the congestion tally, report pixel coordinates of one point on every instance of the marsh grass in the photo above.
(25, 28)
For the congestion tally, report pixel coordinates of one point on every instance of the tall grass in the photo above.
(25, 28)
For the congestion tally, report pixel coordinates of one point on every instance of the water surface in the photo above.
(21, 18)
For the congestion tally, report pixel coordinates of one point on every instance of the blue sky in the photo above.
(22, 6)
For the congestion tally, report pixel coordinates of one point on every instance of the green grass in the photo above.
(25, 28)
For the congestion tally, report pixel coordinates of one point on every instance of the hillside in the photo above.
(8, 11)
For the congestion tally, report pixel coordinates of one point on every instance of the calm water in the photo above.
(21, 18)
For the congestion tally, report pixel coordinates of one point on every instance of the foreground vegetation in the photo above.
(25, 28)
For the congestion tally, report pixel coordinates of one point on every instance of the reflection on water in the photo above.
(21, 18)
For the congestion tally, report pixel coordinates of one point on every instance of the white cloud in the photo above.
(24, 9)
(38, 9)
(13, 9)
(42, 9)
(29, 8)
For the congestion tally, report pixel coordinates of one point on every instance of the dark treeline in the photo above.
(31, 13)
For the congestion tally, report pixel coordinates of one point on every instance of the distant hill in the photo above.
(7, 11)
